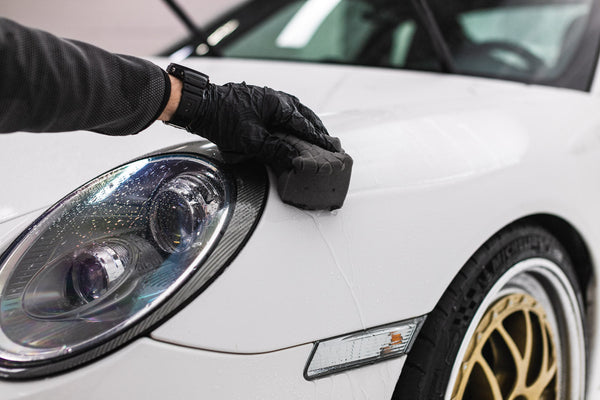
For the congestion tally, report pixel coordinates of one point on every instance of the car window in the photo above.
(332, 31)
(530, 40)
(533, 41)
(544, 37)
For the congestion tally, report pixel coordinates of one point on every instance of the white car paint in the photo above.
(441, 164)
(153, 370)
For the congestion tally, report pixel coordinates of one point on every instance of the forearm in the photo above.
(50, 84)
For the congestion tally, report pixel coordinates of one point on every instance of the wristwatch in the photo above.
(194, 84)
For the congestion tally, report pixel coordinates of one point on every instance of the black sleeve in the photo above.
(48, 84)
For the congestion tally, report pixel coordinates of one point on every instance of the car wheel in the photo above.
(509, 326)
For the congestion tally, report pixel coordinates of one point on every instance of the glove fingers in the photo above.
(270, 149)
(333, 143)
(288, 115)
(312, 117)
(300, 126)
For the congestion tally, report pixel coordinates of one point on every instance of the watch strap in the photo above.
(194, 84)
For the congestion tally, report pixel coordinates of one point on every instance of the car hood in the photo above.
(359, 105)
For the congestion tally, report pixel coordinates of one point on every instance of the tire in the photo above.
(509, 326)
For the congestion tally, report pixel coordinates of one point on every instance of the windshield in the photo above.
(524, 40)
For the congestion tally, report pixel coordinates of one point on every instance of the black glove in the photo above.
(242, 119)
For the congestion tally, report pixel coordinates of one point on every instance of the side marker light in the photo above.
(362, 348)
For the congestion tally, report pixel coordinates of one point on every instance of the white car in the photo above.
(463, 264)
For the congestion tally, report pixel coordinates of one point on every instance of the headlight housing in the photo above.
(117, 255)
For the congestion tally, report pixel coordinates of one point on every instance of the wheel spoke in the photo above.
(538, 387)
(491, 378)
(515, 353)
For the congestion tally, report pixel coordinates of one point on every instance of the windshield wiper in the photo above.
(198, 34)
(440, 47)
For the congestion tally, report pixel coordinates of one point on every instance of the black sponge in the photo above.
(318, 179)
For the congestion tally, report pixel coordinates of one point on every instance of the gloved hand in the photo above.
(242, 119)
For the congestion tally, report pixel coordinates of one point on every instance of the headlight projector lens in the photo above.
(94, 271)
(117, 256)
(181, 209)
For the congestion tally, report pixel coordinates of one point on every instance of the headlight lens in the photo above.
(109, 254)
(181, 209)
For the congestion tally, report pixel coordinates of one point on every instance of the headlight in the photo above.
(116, 256)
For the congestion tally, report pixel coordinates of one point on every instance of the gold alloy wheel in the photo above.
(511, 356)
